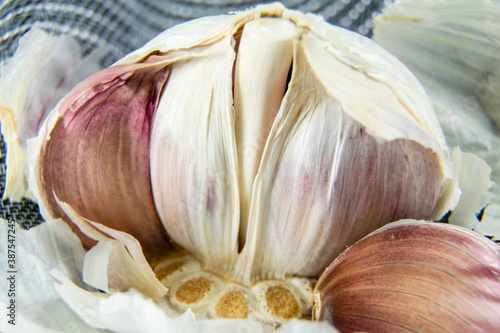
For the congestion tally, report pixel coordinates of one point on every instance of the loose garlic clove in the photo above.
(415, 276)
(455, 53)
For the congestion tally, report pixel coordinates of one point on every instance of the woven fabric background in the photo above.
(125, 25)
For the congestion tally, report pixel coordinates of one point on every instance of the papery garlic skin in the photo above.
(349, 143)
(43, 70)
(100, 134)
(193, 167)
(454, 50)
(415, 276)
(117, 262)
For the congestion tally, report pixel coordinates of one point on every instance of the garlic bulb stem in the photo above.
(262, 66)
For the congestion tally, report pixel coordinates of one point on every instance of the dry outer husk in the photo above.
(453, 47)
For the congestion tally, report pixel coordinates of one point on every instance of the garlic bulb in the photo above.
(241, 152)
(413, 276)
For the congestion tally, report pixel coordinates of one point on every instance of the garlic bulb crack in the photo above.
(454, 50)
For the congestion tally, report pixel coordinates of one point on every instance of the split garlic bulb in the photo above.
(262, 146)
(413, 276)
(261, 143)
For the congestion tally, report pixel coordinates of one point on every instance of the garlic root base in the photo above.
(207, 294)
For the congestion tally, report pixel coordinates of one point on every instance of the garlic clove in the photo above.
(413, 275)
(43, 70)
(93, 153)
(407, 111)
(265, 53)
(193, 157)
(324, 180)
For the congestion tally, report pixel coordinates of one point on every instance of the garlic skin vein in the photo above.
(347, 144)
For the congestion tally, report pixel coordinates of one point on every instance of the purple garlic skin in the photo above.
(97, 158)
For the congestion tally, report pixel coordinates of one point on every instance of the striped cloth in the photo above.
(125, 25)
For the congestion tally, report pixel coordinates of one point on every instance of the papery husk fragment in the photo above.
(453, 47)
(117, 262)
